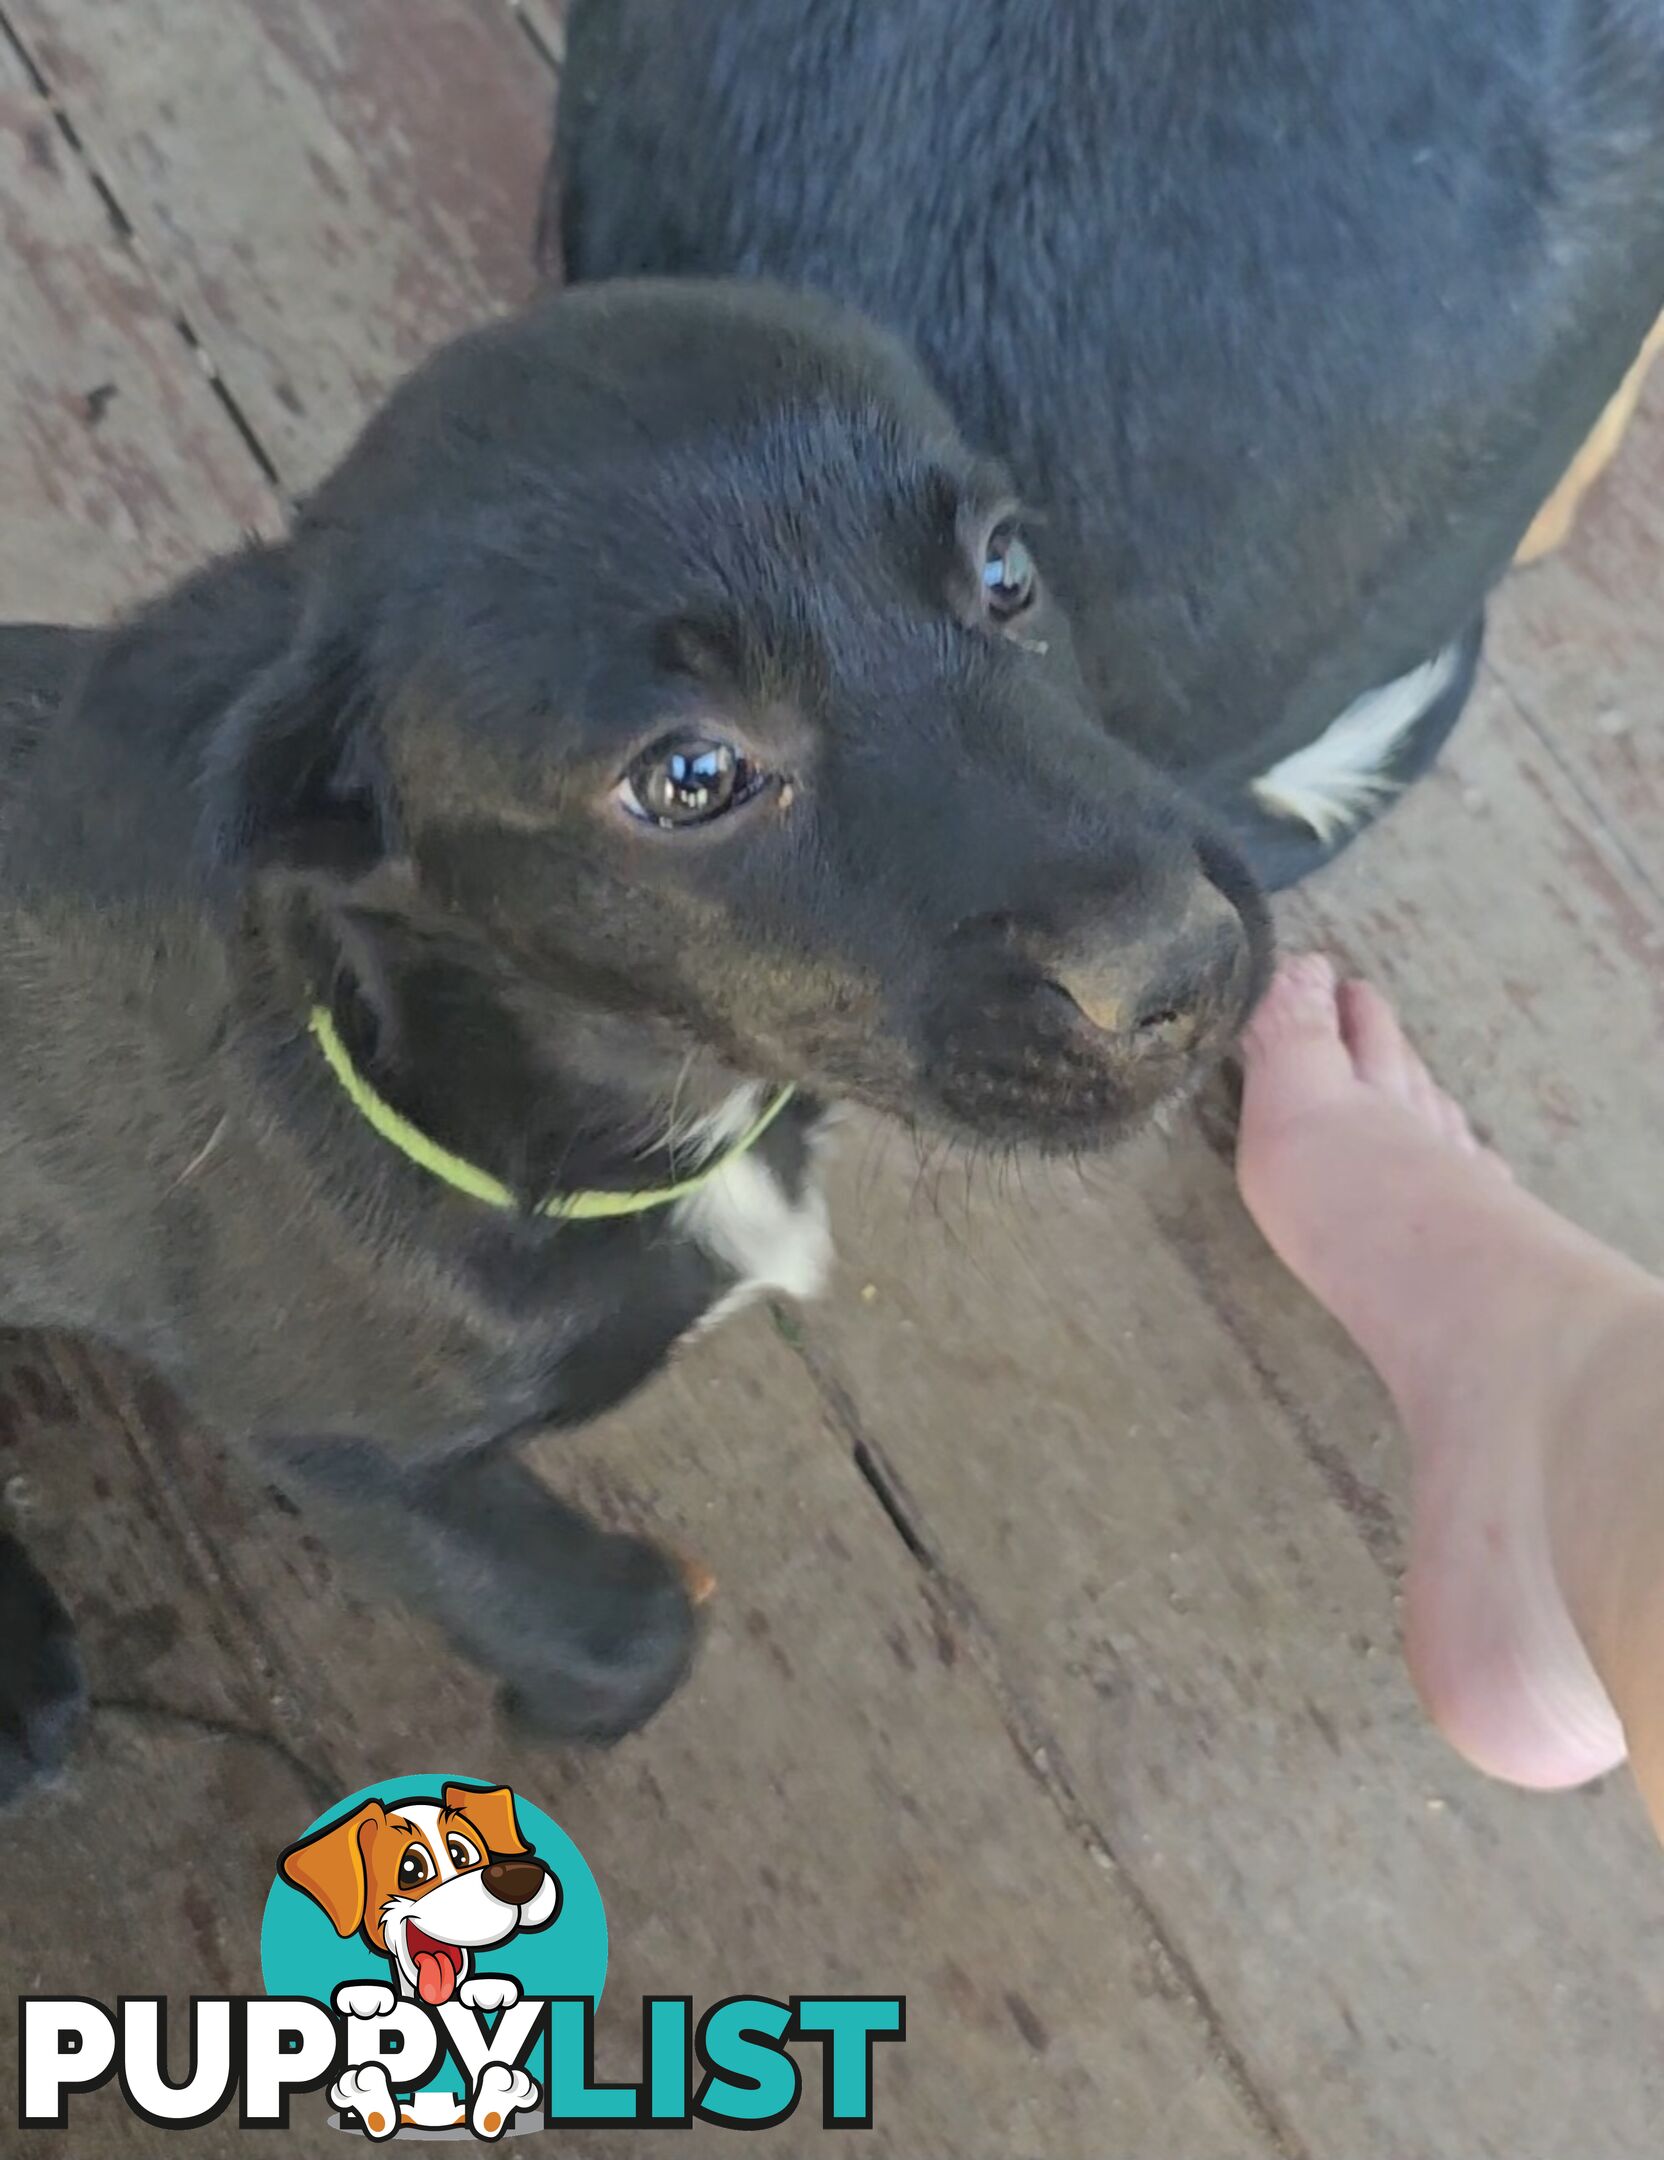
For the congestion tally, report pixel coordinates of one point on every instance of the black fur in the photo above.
(379, 765)
(1287, 314)
(42, 1685)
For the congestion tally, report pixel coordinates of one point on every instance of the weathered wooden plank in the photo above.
(835, 1802)
(117, 465)
(834, 1799)
(1579, 641)
(323, 191)
(70, 1485)
(174, 1826)
(1167, 1500)
(142, 1870)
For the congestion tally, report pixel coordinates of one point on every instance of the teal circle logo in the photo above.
(437, 1888)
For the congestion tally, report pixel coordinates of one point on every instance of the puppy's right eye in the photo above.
(414, 1868)
(689, 781)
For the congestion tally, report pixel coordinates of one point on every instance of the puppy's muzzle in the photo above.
(1068, 1028)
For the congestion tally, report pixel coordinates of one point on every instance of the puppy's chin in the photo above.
(1033, 1097)
(1065, 1122)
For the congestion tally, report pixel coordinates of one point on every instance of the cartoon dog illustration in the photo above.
(427, 1883)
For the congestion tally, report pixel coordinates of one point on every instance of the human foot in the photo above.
(1487, 1316)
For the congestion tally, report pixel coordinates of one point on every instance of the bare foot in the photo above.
(1492, 1322)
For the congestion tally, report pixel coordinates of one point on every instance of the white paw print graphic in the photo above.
(364, 1999)
(500, 2092)
(368, 2091)
(489, 1991)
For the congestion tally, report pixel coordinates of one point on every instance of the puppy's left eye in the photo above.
(689, 782)
(1010, 581)
(461, 1852)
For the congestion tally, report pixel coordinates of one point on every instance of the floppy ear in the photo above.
(492, 1815)
(293, 773)
(329, 1867)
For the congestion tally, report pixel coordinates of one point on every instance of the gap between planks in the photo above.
(1036, 1749)
(128, 240)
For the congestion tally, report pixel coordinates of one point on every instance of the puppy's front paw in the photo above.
(368, 2092)
(364, 1999)
(500, 2092)
(489, 1991)
(604, 1678)
(43, 1688)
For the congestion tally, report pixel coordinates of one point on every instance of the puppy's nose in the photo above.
(513, 1882)
(1166, 990)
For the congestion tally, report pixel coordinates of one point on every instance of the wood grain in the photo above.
(324, 192)
(1579, 643)
(117, 465)
(140, 1871)
(835, 1801)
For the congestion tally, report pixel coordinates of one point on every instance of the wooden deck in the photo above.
(1053, 1674)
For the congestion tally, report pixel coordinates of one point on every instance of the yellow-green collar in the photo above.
(467, 1177)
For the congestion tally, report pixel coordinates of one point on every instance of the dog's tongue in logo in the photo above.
(438, 1966)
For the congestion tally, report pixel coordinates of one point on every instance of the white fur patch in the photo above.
(744, 1217)
(1336, 781)
(692, 1137)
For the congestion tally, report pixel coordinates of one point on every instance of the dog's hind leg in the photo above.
(587, 1630)
(43, 1691)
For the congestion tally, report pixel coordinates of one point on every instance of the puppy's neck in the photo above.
(546, 1089)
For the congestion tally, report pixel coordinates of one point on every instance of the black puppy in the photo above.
(1287, 314)
(411, 936)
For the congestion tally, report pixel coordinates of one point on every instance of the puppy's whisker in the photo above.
(673, 1134)
(873, 1156)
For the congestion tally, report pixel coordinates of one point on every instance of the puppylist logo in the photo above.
(434, 1950)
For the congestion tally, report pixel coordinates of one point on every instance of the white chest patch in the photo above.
(745, 1219)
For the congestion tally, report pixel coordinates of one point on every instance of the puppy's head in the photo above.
(669, 642)
(427, 1882)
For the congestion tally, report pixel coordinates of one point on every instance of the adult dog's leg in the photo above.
(43, 1691)
(588, 1631)
(1552, 525)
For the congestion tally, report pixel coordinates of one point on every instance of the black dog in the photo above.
(1286, 314)
(657, 714)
